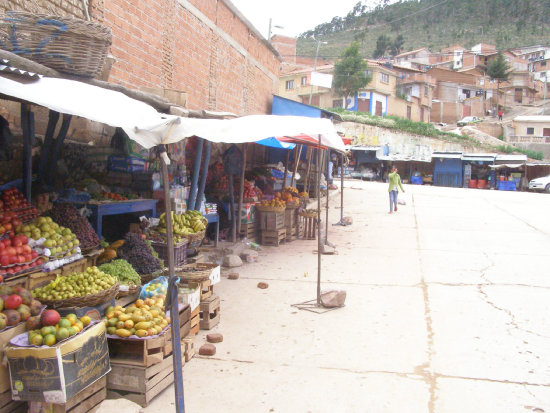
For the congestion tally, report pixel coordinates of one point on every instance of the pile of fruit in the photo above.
(153, 289)
(122, 271)
(274, 203)
(14, 209)
(67, 215)
(92, 281)
(138, 253)
(189, 223)
(287, 196)
(250, 191)
(57, 241)
(16, 255)
(16, 305)
(303, 195)
(50, 328)
(144, 318)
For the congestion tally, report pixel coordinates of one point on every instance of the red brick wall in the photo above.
(162, 44)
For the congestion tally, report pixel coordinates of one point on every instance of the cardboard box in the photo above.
(95, 313)
(5, 337)
(55, 374)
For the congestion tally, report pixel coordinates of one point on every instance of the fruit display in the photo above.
(50, 328)
(122, 271)
(67, 215)
(16, 256)
(288, 195)
(91, 281)
(144, 318)
(303, 195)
(17, 305)
(274, 203)
(250, 191)
(154, 288)
(12, 200)
(189, 223)
(138, 253)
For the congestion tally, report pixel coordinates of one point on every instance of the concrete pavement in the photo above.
(447, 311)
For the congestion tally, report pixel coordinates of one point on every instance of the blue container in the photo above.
(417, 180)
(506, 185)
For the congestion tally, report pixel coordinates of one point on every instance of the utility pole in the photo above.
(269, 30)
(315, 67)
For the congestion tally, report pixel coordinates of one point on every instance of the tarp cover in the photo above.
(150, 128)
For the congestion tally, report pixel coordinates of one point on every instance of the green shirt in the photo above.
(395, 181)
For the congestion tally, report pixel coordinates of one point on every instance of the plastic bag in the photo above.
(158, 286)
(401, 200)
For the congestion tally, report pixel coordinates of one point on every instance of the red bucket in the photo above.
(481, 183)
(472, 183)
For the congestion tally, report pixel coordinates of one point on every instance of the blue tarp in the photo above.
(274, 143)
(283, 106)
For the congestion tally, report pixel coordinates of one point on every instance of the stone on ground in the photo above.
(232, 260)
(333, 298)
(207, 349)
(233, 276)
(214, 338)
(263, 285)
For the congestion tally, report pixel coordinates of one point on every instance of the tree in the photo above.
(350, 72)
(382, 44)
(498, 70)
(397, 45)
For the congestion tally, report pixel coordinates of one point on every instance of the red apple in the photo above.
(5, 260)
(34, 254)
(11, 271)
(28, 257)
(24, 239)
(38, 261)
(21, 259)
(11, 251)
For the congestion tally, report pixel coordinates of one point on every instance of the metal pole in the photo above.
(319, 243)
(173, 293)
(233, 212)
(241, 191)
(309, 156)
(269, 31)
(286, 167)
(314, 68)
(326, 215)
(342, 190)
(297, 154)
(196, 171)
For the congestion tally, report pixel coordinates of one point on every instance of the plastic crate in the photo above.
(180, 252)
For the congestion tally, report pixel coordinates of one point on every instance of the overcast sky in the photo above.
(296, 16)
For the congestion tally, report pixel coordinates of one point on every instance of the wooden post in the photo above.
(202, 182)
(298, 149)
(195, 178)
(27, 125)
(309, 156)
(233, 212)
(319, 242)
(56, 150)
(241, 191)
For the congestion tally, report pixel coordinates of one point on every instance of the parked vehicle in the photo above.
(540, 184)
(468, 120)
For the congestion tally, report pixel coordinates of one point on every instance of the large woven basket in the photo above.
(195, 272)
(195, 241)
(86, 301)
(269, 208)
(74, 46)
(131, 291)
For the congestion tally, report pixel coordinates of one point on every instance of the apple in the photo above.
(13, 259)
(20, 259)
(5, 260)
(11, 271)
(38, 261)
(11, 251)
(28, 257)
(34, 254)
(24, 239)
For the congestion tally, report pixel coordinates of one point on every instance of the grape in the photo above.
(122, 270)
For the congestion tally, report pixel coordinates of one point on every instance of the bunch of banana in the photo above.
(189, 223)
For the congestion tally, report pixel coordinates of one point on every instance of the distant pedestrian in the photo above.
(500, 113)
(395, 184)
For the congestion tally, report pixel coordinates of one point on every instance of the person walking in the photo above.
(500, 113)
(395, 184)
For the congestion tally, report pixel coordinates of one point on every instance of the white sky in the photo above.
(296, 16)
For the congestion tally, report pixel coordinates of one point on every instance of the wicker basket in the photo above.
(86, 301)
(145, 278)
(180, 251)
(308, 214)
(195, 272)
(131, 291)
(292, 205)
(74, 46)
(195, 241)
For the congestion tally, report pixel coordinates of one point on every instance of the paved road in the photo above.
(448, 310)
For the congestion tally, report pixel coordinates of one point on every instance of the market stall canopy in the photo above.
(447, 155)
(509, 165)
(274, 143)
(150, 128)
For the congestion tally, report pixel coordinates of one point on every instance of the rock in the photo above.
(214, 338)
(249, 255)
(263, 285)
(233, 276)
(326, 249)
(333, 298)
(232, 260)
(347, 220)
(207, 350)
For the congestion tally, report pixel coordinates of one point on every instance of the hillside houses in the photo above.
(429, 87)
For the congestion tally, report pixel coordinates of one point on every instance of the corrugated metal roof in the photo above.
(535, 118)
(512, 158)
(480, 157)
(447, 155)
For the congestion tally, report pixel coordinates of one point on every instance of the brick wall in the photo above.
(196, 46)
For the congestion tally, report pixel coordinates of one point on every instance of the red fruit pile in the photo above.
(16, 255)
(14, 210)
(17, 305)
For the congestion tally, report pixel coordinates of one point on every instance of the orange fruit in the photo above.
(86, 320)
(49, 339)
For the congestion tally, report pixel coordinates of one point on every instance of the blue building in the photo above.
(447, 169)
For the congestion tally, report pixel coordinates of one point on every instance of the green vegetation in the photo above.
(350, 72)
(434, 24)
(538, 155)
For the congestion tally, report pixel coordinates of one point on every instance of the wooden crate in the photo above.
(141, 384)
(38, 278)
(7, 405)
(290, 234)
(75, 266)
(188, 348)
(273, 237)
(271, 220)
(92, 257)
(207, 289)
(150, 351)
(290, 217)
(310, 227)
(86, 401)
(195, 320)
(249, 231)
(210, 313)
(5, 337)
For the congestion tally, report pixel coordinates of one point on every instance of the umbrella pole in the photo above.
(173, 292)
(202, 181)
(286, 168)
(196, 172)
(328, 178)
(233, 213)
(241, 191)
(296, 163)
(309, 156)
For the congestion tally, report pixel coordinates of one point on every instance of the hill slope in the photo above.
(434, 24)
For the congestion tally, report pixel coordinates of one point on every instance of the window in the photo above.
(304, 80)
(530, 131)
(368, 73)
(409, 112)
(289, 84)
(338, 103)
(543, 64)
(384, 77)
(426, 91)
